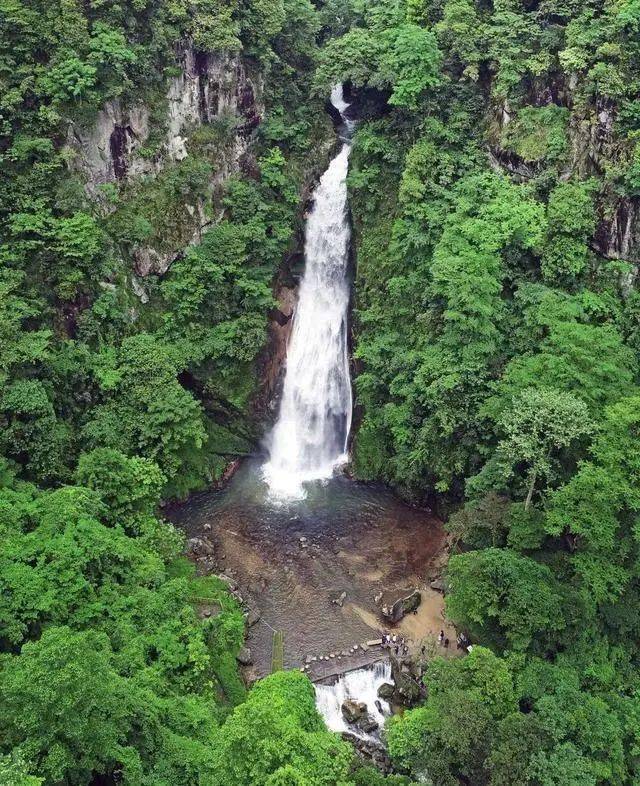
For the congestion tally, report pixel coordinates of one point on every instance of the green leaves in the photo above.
(571, 223)
(538, 134)
(19, 345)
(115, 669)
(598, 506)
(450, 736)
(277, 737)
(64, 702)
(590, 361)
(149, 412)
(13, 771)
(31, 432)
(409, 63)
(353, 57)
(538, 426)
(509, 600)
(129, 487)
(70, 79)
(403, 59)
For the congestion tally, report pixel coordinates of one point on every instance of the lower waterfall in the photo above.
(360, 685)
(309, 439)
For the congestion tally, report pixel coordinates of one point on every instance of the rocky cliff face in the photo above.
(115, 148)
(593, 146)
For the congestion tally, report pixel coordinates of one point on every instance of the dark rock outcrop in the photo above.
(200, 547)
(407, 678)
(112, 148)
(367, 724)
(366, 103)
(386, 691)
(439, 584)
(370, 751)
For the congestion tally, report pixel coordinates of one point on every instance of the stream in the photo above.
(360, 685)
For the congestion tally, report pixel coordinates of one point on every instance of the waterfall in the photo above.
(309, 439)
(360, 685)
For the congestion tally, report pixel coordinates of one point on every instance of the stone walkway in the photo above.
(324, 667)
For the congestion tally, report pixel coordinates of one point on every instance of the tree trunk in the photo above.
(530, 493)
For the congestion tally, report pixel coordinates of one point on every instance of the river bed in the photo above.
(291, 559)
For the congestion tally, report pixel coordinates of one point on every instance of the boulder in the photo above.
(228, 581)
(400, 603)
(408, 689)
(253, 617)
(244, 657)
(371, 751)
(367, 724)
(386, 691)
(200, 547)
(439, 585)
(339, 599)
(353, 710)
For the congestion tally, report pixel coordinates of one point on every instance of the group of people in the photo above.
(443, 641)
(396, 644)
(399, 646)
(462, 641)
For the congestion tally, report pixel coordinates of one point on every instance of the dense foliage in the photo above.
(106, 666)
(494, 197)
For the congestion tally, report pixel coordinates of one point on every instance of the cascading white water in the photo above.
(309, 439)
(360, 685)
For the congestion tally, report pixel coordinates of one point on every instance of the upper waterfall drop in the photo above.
(309, 439)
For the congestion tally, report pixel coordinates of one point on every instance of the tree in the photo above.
(214, 28)
(351, 57)
(403, 59)
(148, 411)
(21, 346)
(410, 64)
(516, 738)
(572, 221)
(589, 361)
(505, 598)
(538, 426)
(69, 567)
(449, 738)
(129, 487)
(32, 434)
(65, 706)
(14, 771)
(277, 737)
(585, 740)
(464, 321)
(596, 509)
